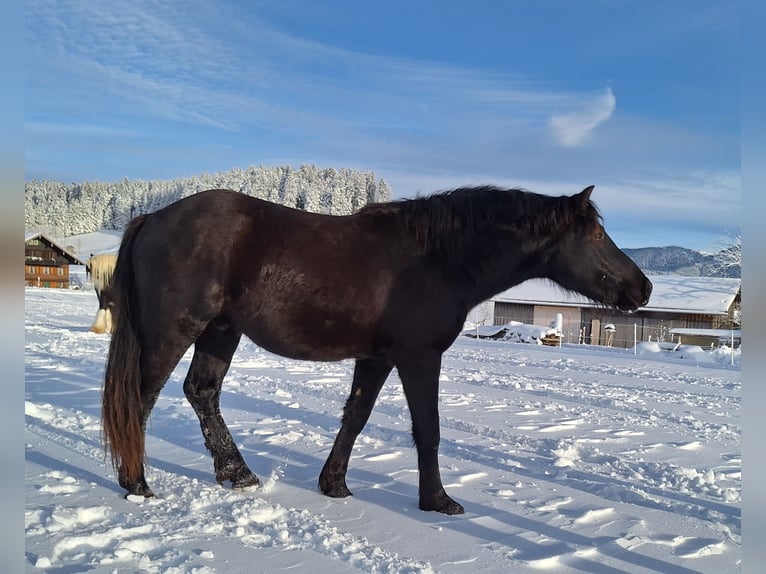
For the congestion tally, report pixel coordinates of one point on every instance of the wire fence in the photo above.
(601, 327)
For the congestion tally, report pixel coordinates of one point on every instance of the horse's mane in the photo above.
(101, 267)
(443, 221)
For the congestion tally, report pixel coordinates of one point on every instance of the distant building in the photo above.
(694, 304)
(46, 263)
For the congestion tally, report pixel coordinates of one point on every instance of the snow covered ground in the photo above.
(572, 459)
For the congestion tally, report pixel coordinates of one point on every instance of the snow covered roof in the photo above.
(30, 234)
(671, 293)
(88, 244)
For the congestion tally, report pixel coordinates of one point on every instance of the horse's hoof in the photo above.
(138, 488)
(443, 504)
(245, 482)
(240, 478)
(336, 490)
(144, 491)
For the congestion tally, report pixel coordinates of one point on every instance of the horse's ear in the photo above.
(585, 193)
(583, 197)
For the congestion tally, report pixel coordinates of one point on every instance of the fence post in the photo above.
(635, 338)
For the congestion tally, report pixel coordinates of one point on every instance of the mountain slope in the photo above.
(678, 261)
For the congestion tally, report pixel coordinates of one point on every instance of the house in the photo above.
(46, 262)
(679, 304)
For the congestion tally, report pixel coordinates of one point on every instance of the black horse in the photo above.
(389, 286)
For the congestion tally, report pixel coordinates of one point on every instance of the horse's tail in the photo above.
(122, 405)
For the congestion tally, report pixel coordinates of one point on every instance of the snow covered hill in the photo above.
(569, 459)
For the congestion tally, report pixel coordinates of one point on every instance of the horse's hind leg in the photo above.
(369, 376)
(139, 486)
(213, 351)
(157, 363)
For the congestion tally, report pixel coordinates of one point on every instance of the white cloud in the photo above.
(572, 128)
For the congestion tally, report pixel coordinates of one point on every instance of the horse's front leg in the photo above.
(212, 356)
(369, 376)
(420, 379)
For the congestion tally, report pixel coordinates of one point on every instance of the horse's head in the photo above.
(587, 261)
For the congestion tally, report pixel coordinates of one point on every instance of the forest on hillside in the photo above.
(674, 260)
(63, 210)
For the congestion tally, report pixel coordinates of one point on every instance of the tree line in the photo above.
(63, 209)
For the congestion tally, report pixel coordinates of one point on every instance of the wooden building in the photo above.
(46, 263)
(677, 302)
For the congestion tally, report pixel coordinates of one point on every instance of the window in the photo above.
(60, 271)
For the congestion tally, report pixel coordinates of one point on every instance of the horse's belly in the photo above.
(298, 313)
(310, 342)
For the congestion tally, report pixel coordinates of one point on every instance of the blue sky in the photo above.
(640, 99)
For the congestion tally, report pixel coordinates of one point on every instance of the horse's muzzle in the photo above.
(646, 292)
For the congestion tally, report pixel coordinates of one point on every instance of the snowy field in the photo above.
(570, 459)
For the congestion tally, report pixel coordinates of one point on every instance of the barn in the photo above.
(46, 262)
(694, 306)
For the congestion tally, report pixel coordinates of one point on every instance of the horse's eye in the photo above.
(599, 235)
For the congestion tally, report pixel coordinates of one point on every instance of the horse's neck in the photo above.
(495, 269)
